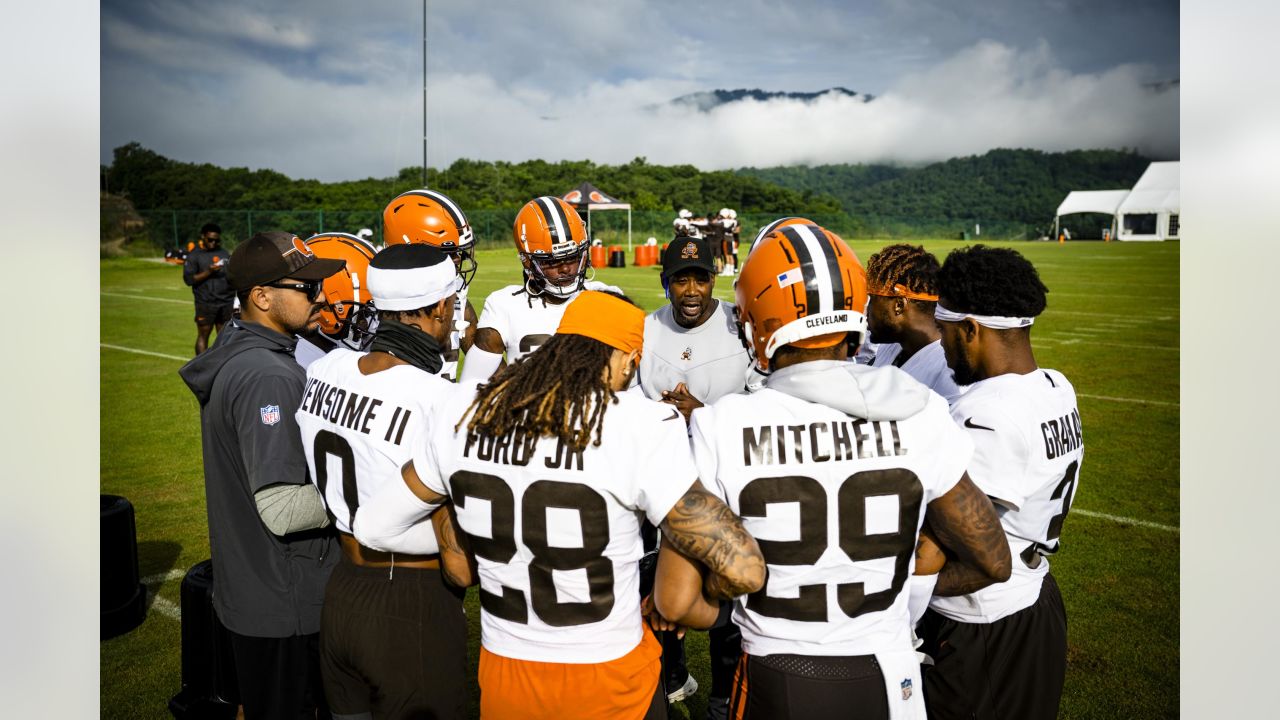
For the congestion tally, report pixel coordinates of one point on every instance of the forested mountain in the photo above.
(1011, 193)
(997, 189)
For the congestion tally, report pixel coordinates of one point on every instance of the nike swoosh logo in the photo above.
(674, 414)
(970, 424)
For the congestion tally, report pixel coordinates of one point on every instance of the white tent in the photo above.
(1147, 212)
(1091, 201)
(1151, 210)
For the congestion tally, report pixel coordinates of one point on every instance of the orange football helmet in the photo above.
(430, 217)
(801, 285)
(347, 316)
(779, 223)
(548, 232)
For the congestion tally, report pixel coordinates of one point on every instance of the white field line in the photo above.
(1085, 313)
(159, 604)
(1124, 520)
(144, 297)
(136, 351)
(1128, 400)
(1059, 293)
(1086, 333)
(1172, 348)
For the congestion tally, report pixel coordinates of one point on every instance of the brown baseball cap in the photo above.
(269, 256)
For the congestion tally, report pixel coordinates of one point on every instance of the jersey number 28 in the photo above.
(500, 547)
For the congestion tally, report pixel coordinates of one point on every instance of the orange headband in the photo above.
(900, 290)
(600, 316)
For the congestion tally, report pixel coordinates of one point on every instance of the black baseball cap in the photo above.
(269, 256)
(684, 253)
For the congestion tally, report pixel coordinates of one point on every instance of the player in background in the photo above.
(551, 468)
(551, 240)
(432, 218)
(393, 637)
(693, 356)
(728, 220)
(902, 281)
(204, 269)
(1001, 650)
(834, 467)
(348, 319)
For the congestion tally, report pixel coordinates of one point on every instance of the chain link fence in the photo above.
(176, 228)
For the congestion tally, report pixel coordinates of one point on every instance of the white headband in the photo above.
(413, 288)
(996, 322)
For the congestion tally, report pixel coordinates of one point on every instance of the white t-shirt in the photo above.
(525, 322)
(358, 430)
(1027, 454)
(709, 359)
(556, 534)
(836, 503)
(928, 365)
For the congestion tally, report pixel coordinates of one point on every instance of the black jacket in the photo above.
(249, 387)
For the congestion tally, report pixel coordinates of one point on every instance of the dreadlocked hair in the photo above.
(908, 265)
(991, 281)
(560, 390)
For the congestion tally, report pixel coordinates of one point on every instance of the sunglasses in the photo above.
(311, 288)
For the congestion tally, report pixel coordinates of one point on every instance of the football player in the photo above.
(431, 218)
(1005, 644)
(552, 468)
(693, 356)
(834, 466)
(551, 240)
(393, 637)
(347, 319)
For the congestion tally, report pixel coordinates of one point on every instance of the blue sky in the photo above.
(332, 90)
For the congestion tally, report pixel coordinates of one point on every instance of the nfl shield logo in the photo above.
(270, 414)
(906, 689)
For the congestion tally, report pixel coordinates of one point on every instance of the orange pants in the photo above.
(528, 690)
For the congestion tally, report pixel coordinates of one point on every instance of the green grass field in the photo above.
(1111, 327)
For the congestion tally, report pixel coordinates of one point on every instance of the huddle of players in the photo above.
(821, 512)
(723, 232)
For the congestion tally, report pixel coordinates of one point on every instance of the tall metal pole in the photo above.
(424, 92)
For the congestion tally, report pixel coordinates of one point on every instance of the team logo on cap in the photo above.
(299, 247)
(690, 251)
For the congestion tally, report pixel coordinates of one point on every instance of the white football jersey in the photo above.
(709, 359)
(556, 534)
(836, 503)
(358, 430)
(524, 321)
(1028, 448)
(928, 365)
(449, 371)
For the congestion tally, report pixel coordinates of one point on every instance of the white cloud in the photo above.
(335, 92)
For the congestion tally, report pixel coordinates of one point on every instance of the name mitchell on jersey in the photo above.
(846, 438)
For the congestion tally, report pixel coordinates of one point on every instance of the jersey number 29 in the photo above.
(810, 605)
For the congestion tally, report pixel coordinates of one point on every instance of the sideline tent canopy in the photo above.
(587, 197)
(1106, 202)
(1151, 210)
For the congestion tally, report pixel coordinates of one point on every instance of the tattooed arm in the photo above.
(678, 590)
(703, 528)
(456, 561)
(966, 525)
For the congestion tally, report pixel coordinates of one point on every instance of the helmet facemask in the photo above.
(537, 282)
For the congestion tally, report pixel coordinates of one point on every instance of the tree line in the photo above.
(1011, 193)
